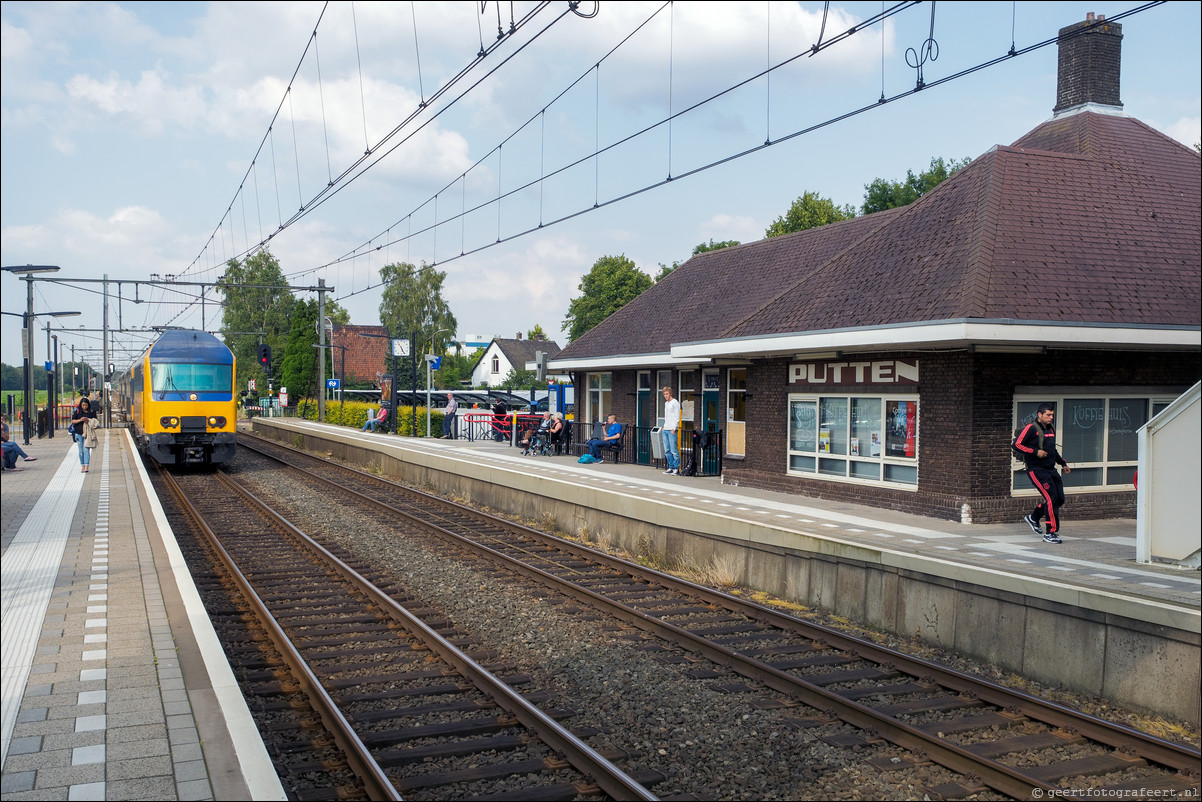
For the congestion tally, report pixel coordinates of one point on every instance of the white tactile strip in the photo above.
(96, 635)
(27, 578)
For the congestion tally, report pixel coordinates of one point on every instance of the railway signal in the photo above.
(265, 358)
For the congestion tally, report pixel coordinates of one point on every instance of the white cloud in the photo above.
(1187, 130)
(724, 227)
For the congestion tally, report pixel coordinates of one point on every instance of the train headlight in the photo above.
(216, 422)
(169, 422)
(192, 397)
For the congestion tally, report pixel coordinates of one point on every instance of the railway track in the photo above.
(388, 703)
(990, 736)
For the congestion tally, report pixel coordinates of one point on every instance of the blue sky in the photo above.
(128, 129)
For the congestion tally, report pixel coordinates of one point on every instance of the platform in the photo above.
(114, 683)
(1083, 614)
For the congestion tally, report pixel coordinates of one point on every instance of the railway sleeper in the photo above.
(451, 729)
(884, 690)
(392, 757)
(992, 718)
(953, 790)
(338, 792)
(815, 661)
(856, 675)
(1023, 743)
(928, 705)
(896, 763)
(370, 716)
(1086, 766)
(493, 772)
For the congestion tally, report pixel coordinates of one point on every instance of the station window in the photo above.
(736, 411)
(869, 439)
(599, 387)
(1096, 434)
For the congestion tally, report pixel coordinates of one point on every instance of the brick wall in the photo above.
(367, 357)
(1088, 64)
(965, 425)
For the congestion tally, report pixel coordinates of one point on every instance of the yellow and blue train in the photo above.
(179, 399)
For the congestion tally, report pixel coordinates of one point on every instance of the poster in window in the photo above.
(874, 448)
(901, 426)
(855, 447)
(824, 441)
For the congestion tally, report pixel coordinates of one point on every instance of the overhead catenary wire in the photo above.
(349, 173)
(730, 157)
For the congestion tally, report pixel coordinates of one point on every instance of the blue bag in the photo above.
(586, 458)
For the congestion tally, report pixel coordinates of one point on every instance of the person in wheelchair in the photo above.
(538, 440)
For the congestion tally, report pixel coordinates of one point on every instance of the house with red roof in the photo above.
(888, 359)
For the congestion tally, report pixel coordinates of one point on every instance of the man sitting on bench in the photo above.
(609, 437)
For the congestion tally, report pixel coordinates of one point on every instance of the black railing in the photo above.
(706, 460)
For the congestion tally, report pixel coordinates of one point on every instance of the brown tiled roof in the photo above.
(519, 352)
(1089, 218)
(704, 297)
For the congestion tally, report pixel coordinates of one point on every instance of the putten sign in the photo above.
(831, 374)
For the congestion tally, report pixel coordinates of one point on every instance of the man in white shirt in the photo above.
(448, 418)
(668, 432)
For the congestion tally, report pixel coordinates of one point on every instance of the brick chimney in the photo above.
(1088, 69)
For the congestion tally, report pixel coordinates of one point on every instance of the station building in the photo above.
(888, 359)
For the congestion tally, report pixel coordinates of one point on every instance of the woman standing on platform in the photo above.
(83, 431)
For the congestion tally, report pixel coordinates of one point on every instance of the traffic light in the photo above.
(265, 359)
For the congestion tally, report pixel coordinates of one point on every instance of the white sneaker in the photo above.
(667, 471)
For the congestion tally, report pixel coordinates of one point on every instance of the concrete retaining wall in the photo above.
(1142, 654)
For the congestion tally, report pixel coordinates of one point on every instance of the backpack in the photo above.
(586, 459)
(1019, 455)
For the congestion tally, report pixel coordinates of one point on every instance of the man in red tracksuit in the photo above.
(1037, 443)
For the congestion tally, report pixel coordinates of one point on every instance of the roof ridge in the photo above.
(886, 215)
(979, 286)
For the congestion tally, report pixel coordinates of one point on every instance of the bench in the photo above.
(579, 447)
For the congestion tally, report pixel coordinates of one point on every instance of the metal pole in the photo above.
(104, 392)
(74, 371)
(28, 369)
(50, 405)
(342, 382)
(413, 366)
(427, 397)
(321, 348)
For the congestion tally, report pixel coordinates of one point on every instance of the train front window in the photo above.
(190, 378)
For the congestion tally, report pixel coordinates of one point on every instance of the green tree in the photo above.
(881, 194)
(257, 308)
(809, 211)
(536, 333)
(714, 246)
(518, 379)
(299, 370)
(613, 282)
(456, 369)
(412, 307)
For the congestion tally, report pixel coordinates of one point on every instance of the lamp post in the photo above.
(341, 375)
(431, 359)
(27, 374)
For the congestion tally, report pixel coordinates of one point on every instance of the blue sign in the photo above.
(49, 366)
(433, 365)
(332, 384)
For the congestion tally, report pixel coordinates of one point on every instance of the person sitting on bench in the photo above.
(609, 438)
